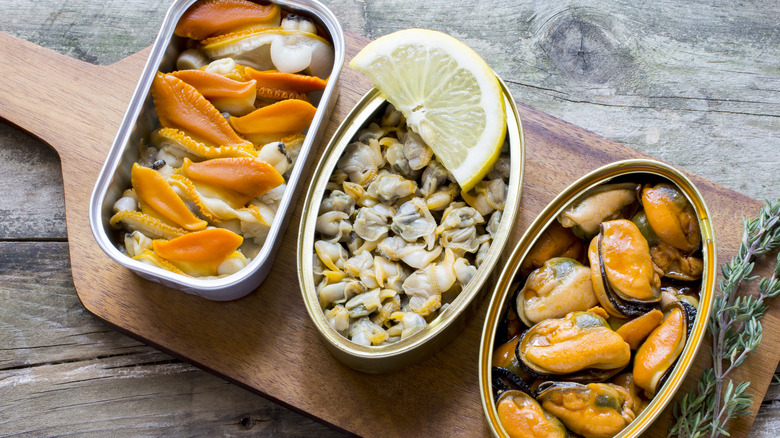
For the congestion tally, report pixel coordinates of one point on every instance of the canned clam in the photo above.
(203, 174)
(392, 256)
(603, 305)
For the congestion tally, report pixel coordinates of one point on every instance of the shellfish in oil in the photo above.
(596, 410)
(642, 246)
(581, 346)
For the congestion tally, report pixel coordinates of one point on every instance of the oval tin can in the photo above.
(438, 333)
(638, 170)
(140, 120)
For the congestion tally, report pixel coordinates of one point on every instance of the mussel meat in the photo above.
(522, 417)
(596, 410)
(580, 346)
(660, 350)
(671, 215)
(555, 241)
(600, 204)
(560, 286)
(622, 271)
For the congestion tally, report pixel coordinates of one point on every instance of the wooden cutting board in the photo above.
(265, 341)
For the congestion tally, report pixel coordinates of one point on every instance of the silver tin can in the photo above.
(140, 120)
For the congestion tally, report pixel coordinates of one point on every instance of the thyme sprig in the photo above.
(735, 326)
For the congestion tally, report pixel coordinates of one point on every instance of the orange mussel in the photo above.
(555, 241)
(671, 216)
(523, 417)
(636, 330)
(215, 17)
(179, 105)
(663, 346)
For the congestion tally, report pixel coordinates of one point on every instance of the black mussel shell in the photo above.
(510, 324)
(504, 380)
(550, 384)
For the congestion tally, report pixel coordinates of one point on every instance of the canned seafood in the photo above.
(436, 316)
(309, 21)
(604, 300)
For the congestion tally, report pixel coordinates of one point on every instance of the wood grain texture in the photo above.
(730, 110)
(63, 370)
(247, 340)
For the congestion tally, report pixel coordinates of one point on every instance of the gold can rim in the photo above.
(543, 220)
(370, 358)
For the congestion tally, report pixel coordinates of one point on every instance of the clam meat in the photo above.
(390, 200)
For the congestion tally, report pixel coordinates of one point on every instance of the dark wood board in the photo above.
(265, 341)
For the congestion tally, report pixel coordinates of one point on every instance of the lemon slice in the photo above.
(448, 94)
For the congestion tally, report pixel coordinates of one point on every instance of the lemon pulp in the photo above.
(447, 93)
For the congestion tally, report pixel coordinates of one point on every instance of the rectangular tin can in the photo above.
(140, 120)
(641, 170)
(448, 324)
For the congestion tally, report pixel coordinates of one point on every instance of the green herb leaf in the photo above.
(735, 325)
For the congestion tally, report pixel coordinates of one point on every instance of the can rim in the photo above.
(246, 280)
(542, 221)
(370, 357)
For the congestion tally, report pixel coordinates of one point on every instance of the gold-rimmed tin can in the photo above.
(438, 333)
(638, 170)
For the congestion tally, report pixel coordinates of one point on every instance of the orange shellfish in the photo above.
(636, 330)
(179, 105)
(215, 17)
(244, 176)
(661, 349)
(201, 252)
(275, 121)
(671, 216)
(226, 94)
(154, 191)
(273, 84)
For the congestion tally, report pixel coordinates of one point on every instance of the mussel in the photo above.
(658, 353)
(671, 216)
(581, 346)
(624, 278)
(626, 381)
(605, 301)
(675, 264)
(562, 285)
(635, 331)
(506, 380)
(504, 357)
(555, 241)
(596, 410)
(521, 416)
(603, 203)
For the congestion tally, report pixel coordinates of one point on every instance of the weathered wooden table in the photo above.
(695, 84)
